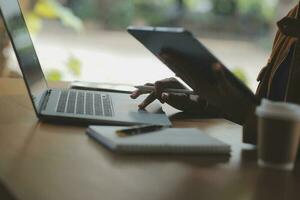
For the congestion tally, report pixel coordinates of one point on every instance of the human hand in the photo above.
(184, 102)
(211, 85)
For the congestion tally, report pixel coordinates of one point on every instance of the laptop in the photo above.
(69, 105)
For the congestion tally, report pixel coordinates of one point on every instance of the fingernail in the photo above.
(133, 95)
(164, 96)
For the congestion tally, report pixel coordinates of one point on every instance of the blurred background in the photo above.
(86, 40)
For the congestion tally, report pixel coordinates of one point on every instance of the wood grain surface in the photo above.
(40, 161)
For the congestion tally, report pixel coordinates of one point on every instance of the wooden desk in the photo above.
(40, 161)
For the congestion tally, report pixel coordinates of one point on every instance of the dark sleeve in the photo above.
(279, 82)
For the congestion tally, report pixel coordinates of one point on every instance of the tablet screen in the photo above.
(181, 41)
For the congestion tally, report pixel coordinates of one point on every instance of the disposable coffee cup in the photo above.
(278, 134)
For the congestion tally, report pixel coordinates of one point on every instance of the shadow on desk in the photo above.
(269, 183)
(183, 116)
(5, 194)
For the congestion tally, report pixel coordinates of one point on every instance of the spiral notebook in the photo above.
(169, 140)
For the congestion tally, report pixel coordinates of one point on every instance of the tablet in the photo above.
(180, 40)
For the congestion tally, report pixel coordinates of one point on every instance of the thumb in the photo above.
(179, 101)
(175, 100)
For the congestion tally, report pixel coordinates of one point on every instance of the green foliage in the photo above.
(193, 3)
(117, 14)
(264, 9)
(51, 9)
(69, 19)
(151, 13)
(241, 74)
(74, 66)
(54, 75)
(47, 8)
(34, 22)
(85, 9)
(120, 14)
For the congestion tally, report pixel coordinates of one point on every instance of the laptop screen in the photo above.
(24, 49)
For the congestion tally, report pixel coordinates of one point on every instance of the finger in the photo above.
(178, 101)
(160, 86)
(148, 100)
(135, 94)
(185, 102)
(149, 84)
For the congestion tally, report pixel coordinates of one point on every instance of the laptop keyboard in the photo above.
(85, 103)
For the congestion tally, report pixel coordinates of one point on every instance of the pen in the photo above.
(149, 89)
(135, 130)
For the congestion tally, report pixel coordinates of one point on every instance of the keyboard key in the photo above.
(80, 103)
(107, 106)
(98, 105)
(89, 104)
(62, 102)
(71, 102)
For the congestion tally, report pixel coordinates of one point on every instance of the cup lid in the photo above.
(282, 110)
